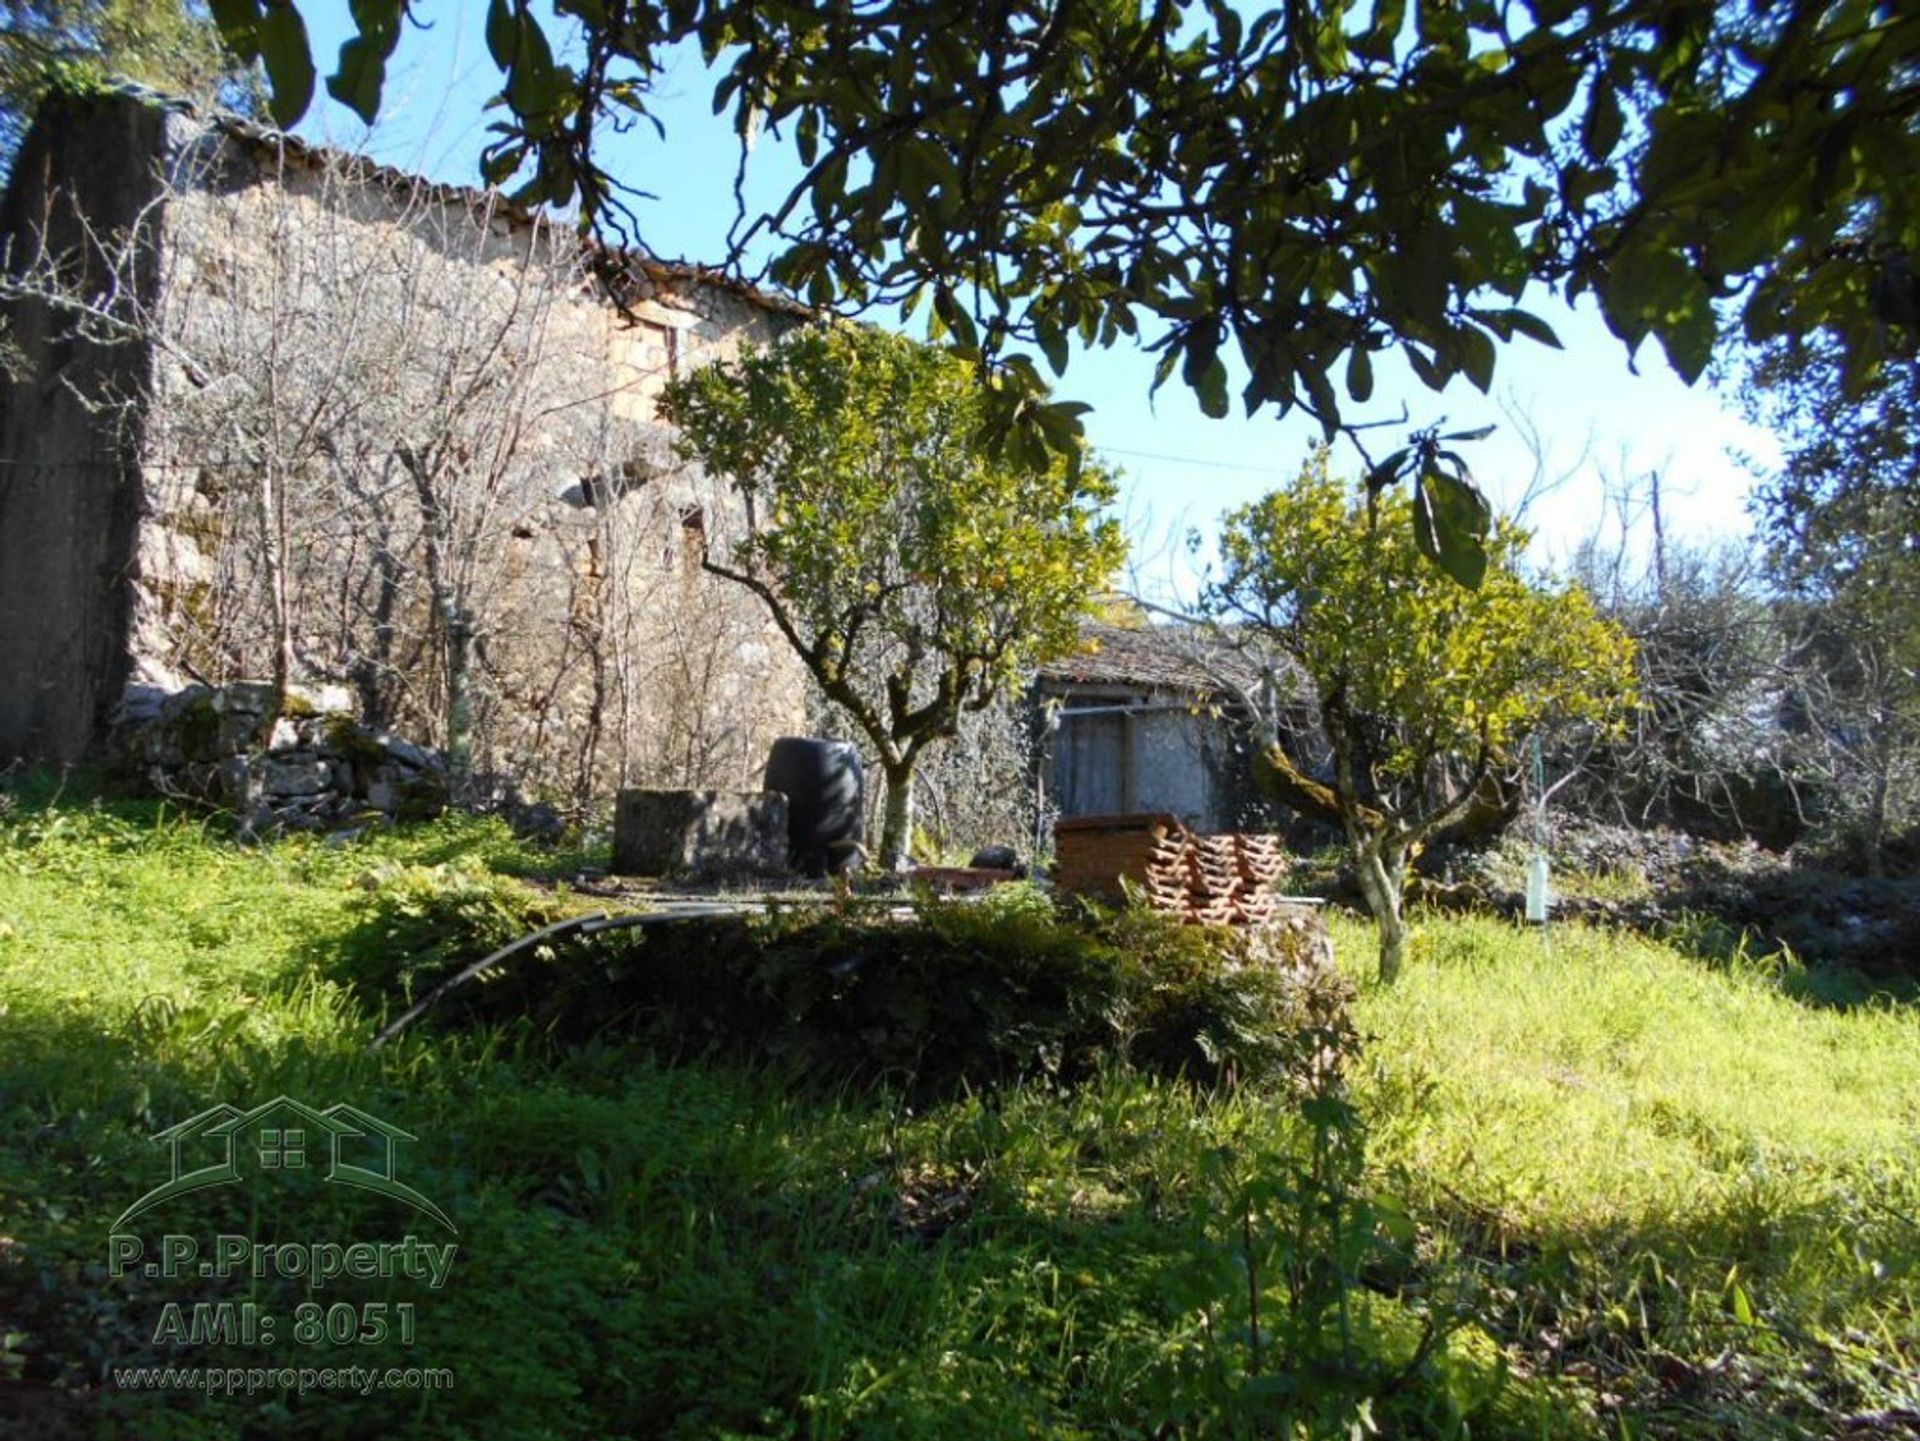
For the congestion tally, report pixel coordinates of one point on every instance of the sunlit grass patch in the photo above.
(1659, 1157)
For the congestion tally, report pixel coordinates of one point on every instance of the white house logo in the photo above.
(222, 1144)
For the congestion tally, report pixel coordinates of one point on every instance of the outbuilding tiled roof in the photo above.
(1152, 657)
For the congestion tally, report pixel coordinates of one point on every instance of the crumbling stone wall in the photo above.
(298, 763)
(603, 655)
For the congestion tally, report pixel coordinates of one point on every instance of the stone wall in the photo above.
(388, 425)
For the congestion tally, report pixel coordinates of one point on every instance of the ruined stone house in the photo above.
(276, 408)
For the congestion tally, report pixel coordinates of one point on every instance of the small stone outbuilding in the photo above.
(1137, 723)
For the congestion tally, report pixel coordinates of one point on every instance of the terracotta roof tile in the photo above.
(264, 137)
(1152, 657)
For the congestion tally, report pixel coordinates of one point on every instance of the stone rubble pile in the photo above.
(310, 765)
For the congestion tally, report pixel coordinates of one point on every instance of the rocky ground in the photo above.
(1667, 883)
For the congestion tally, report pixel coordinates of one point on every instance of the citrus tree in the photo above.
(1422, 685)
(914, 571)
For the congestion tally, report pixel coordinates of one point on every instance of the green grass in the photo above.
(1654, 1161)
(1619, 883)
(1655, 1198)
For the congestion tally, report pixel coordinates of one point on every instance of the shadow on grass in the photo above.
(644, 1249)
(1745, 951)
(649, 1248)
(81, 1102)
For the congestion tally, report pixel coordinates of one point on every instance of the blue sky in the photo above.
(1598, 421)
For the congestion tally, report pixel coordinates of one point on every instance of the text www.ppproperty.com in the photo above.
(250, 1380)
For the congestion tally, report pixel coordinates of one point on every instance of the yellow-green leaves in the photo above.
(1438, 670)
(894, 538)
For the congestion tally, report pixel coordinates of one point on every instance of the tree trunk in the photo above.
(1383, 875)
(1878, 808)
(273, 557)
(897, 833)
(456, 622)
(459, 701)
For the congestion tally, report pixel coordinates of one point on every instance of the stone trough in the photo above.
(700, 835)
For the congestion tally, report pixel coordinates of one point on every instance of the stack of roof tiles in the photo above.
(1209, 880)
(1260, 863)
(1213, 881)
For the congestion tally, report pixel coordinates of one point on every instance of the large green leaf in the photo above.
(289, 61)
(1211, 388)
(1360, 373)
(1053, 344)
(1387, 471)
(1512, 321)
(239, 25)
(361, 73)
(1652, 288)
(534, 84)
(503, 33)
(1601, 130)
(1451, 520)
(1476, 357)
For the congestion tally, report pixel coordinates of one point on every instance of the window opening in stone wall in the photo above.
(690, 549)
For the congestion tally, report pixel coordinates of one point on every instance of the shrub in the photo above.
(961, 994)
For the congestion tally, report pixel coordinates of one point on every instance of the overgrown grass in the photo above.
(1670, 1199)
(1695, 1185)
